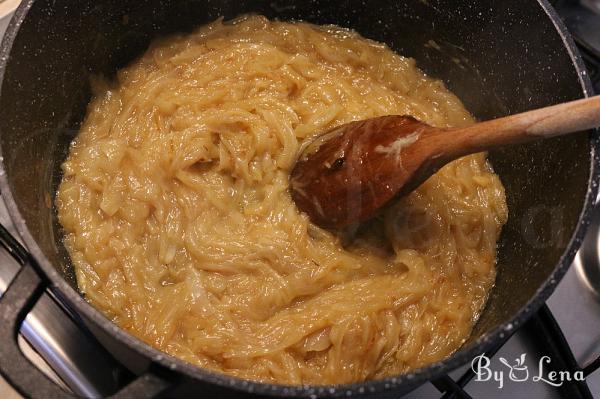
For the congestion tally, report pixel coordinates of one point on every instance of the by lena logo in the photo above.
(519, 372)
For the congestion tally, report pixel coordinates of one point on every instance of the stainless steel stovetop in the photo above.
(74, 360)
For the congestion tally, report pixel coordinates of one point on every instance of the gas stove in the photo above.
(553, 355)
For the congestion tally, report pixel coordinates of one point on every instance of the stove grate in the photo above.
(583, 22)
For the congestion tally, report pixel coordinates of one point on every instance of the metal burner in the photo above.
(587, 261)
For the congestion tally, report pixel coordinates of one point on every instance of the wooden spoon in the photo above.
(346, 175)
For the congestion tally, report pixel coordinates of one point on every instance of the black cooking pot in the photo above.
(499, 57)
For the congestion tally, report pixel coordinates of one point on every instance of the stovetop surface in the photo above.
(574, 306)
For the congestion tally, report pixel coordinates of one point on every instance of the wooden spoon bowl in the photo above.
(347, 174)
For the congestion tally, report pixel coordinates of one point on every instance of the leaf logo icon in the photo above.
(519, 371)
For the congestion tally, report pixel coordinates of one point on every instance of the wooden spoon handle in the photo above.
(551, 121)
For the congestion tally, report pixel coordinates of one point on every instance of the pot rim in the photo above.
(406, 381)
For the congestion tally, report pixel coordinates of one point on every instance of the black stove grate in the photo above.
(584, 25)
(583, 22)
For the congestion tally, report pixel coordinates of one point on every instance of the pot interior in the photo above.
(498, 57)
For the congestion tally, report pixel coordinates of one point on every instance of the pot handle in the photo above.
(19, 298)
